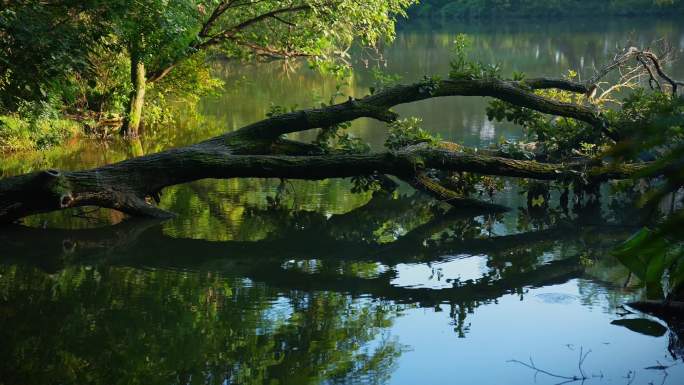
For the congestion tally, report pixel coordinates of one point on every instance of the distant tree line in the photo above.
(544, 8)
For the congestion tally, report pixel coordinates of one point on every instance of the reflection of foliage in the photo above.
(233, 209)
(303, 252)
(382, 80)
(468, 184)
(121, 325)
(364, 183)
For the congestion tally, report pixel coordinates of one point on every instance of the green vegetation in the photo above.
(18, 134)
(103, 61)
(544, 8)
(655, 254)
(296, 282)
(652, 127)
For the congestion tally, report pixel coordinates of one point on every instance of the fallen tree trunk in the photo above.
(260, 151)
(128, 186)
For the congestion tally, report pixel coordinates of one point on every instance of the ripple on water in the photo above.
(557, 298)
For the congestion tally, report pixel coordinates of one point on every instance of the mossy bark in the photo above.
(260, 151)
(137, 98)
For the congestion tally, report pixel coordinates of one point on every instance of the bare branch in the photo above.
(646, 60)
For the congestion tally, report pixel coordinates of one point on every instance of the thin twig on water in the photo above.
(569, 379)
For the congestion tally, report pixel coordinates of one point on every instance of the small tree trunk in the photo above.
(137, 99)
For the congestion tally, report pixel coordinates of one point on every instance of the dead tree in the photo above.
(260, 150)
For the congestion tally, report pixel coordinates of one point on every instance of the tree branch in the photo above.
(377, 105)
(231, 32)
(128, 186)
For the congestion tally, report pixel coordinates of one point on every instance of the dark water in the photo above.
(305, 282)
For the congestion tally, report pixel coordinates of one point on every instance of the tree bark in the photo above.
(136, 102)
(128, 186)
(259, 151)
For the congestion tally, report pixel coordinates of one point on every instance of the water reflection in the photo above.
(260, 281)
(316, 301)
(117, 325)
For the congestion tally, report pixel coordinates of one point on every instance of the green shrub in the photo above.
(17, 134)
(14, 134)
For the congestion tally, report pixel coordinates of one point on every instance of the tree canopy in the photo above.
(58, 50)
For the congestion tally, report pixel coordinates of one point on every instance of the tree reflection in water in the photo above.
(308, 303)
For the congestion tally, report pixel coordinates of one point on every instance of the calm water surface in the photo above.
(259, 281)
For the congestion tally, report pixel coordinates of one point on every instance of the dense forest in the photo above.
(545, 8)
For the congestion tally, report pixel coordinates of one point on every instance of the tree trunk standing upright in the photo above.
(137, 98)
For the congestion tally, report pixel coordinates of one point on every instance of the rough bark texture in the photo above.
(259, 151)
(127, 186)
(137, 99)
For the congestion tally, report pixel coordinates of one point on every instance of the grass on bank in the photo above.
(19, 134)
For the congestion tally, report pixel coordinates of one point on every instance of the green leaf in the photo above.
(656, 267)
(628, 255)
(677, 271)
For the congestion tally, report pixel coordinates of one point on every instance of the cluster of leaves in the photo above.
(654, 124)
(336, 137)
(558, 138)
(407, 132)
(429, 85)
(382, 80)
(652, 257)
(462, 67)
(17, 134)
(277, 110)
(33, 62)
(514, 149)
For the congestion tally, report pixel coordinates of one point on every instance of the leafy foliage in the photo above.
(79, 55)
(407, 132)
(462, 67)
(382, 80)
(558, 138)
(654, 123)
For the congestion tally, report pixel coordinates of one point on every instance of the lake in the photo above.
(293, 282)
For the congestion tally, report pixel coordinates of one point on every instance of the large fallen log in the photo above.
(128, 186)
(260, 151)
